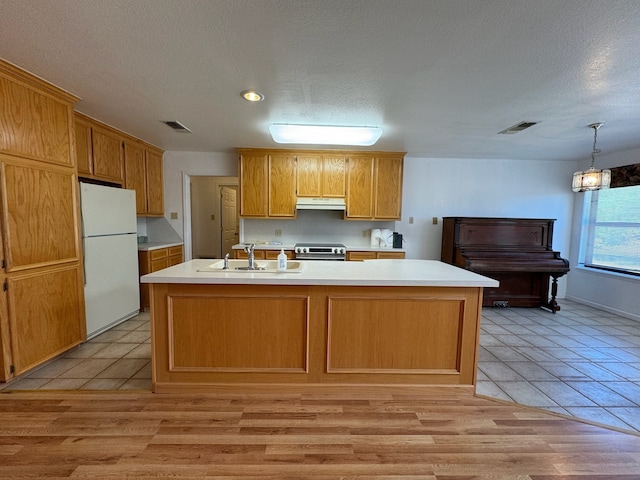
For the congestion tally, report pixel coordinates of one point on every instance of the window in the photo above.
(612, 230)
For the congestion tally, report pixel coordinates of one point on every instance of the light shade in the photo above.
(325, 134)
(591, 179)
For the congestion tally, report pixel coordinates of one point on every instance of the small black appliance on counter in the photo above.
(397, 240)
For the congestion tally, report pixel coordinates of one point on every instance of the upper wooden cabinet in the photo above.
(99, 150)
(155, 182)
(388, 188)
(254, 184)
(143, 173)
(35, 118)
(374, 187)
(267, 184)
(282, 185)
(321, 175)
(271, 180)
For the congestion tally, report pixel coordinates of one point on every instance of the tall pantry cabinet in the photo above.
(41, 300)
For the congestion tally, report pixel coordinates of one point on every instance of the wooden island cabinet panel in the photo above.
(209, 336)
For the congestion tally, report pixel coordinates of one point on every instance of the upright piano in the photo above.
(515, 251)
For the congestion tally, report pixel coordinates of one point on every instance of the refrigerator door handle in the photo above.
(84, 262)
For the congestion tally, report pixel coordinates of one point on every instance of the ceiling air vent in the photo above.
(518, 127)
(177, 126)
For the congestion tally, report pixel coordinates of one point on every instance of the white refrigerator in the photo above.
(110, 249)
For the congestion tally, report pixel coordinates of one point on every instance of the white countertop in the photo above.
(289, 246)
(146, 246)
(395, 273)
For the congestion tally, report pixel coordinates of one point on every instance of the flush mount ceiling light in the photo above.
(252, 96)
(592, 178)
(325, 134)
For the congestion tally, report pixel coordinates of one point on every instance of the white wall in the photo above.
(179, 164)
(608, 291)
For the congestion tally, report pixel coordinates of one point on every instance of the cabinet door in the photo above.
(253, 185)
(134, 174)
(107, 155)
(51, 318)
(155, 183)
(388, 188)
(334, 177)
(282, 186)
(392, 255)
(175, 255)
(33, 123)
(359, 187)
(360, 256)
(40, 219)
(309, 176)
(84, 150)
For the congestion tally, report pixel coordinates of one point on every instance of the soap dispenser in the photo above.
(282, 261)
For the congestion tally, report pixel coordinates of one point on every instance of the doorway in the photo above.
(214, 216)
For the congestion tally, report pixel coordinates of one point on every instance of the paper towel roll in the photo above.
(375, 237)
(386, 237)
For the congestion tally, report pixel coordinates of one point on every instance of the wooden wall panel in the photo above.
(409, 335)
(248, 333)
(41, 223)
(34, 124)
(51, 315)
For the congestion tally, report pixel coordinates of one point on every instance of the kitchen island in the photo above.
(378, 322)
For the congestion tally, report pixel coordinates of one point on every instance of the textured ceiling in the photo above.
(440, 77)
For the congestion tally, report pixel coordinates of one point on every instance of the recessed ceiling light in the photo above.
(252, 96)
(325, 134)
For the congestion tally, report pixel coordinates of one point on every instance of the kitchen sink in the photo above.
(262, 266)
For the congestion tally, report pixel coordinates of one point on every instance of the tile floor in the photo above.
(581, 362)
(118, 359)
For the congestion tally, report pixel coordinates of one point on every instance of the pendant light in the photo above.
(592, 178)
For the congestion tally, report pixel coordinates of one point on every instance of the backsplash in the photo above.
(311, 226)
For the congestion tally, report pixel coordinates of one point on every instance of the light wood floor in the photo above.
(330, 433)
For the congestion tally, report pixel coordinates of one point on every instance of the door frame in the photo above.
(186, 207)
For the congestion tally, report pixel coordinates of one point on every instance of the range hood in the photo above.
(306, 203)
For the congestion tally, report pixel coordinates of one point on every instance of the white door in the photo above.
(229, 215)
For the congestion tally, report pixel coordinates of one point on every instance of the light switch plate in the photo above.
(174, 215)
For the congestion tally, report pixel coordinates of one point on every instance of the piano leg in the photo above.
(552, 304)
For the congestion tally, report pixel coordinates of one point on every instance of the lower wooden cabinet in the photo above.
(359, 256)
(264, 254)
(150, 261)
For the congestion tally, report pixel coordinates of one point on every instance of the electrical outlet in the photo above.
(410, 220)
(278, 233)
(365, 233)
(174, 215)
(434, 220)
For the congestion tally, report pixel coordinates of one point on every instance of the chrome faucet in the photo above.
(226, 262)
(252, 259)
